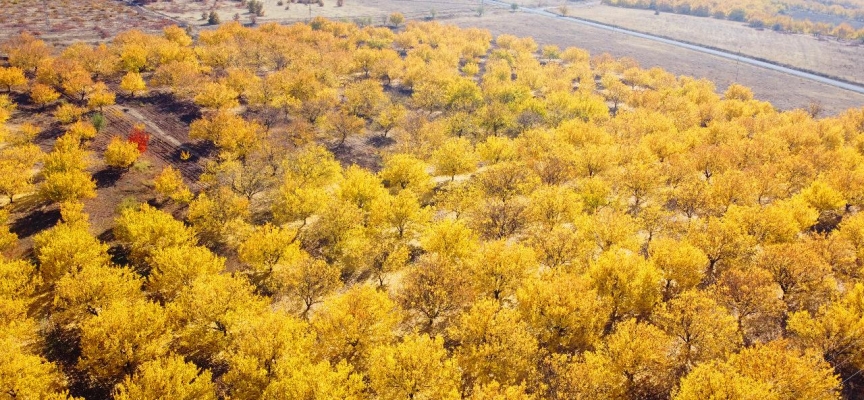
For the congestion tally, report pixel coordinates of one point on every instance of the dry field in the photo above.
(63, 21)
(376, 11)
(824, 55)
(784, 91)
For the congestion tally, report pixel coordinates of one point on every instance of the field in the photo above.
(782, 90)
(828, 56)
(374, 11)
(62, 21)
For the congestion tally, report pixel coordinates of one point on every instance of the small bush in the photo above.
(140, 137)
(121, 153)
(213, 18)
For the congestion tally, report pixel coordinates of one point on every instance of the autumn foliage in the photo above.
(140, 137)
(430, 213)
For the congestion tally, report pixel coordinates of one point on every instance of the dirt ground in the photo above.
(782, 90)
(375, 11)
(825, 55)
(63, 21)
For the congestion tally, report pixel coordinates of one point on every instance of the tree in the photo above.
(146, 230)
(365, 98)
(683, 265)
(493, 345)
(341, 125)
(500, 268)
(404, 171)
(121, 338)
(167, 377)
(173, 268)
(121, 153)
(205, 312)
(631, 285)
(268, 251)
(67, 113)
(433, 292)
(15, 164)
(418, 367)
(351, 324)
(169, 185)
(773, 369)
(213, 18)
(65, 186)
(454, 157)
(309, 280)
(563, 312)
(132, 82)
(216, 95)
(12, 76)
(100, 96)
(68, 247)
(82, 294)
(42, 95)
(396, 19)
(702, 329)
(26, 51)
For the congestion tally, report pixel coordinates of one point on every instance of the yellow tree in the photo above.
(216, 95)
(100, 96)
(269, 250)
(774, 370)
(81, 295)
(12, 77)
(121, 153)
(500, 267)
(404, 171)
(493, 345)
(132, 82)
(67, 247)
(262, 349)
(630, 284)
(702, 329)
(176, 267)
(121, 338)
(167, 377)
(433, 292)
(42, 95)
(417, 367)
(351, 324)
(205, 312)
(169, 185)
(454, 157)
(563, 312)
(146, 230)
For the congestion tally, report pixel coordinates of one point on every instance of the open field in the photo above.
(63, 21)
(374, 11)
(782, 90)
(827, 56)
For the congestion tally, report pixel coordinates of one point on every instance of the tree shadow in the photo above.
(380, 141)
(107, 177)
(35, 222)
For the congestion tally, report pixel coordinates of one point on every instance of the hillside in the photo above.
(322, 211)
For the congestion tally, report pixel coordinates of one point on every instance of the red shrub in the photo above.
(140, 137)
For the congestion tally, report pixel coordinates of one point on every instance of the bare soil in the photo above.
(64, 21)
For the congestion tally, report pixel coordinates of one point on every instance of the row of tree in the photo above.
(764, 14)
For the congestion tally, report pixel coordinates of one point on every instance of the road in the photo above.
(713, 52)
